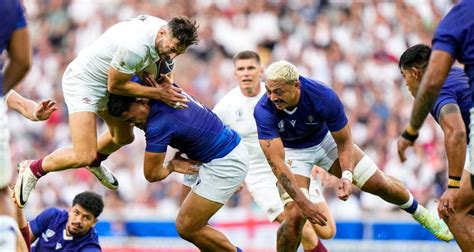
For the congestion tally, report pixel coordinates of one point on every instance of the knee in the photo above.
(123, 140)
(293, 215)
(328, 232)
(183, 229)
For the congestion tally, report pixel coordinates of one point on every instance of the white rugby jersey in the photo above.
(128, 46)
(236, 111)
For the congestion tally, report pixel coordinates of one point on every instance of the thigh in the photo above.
(196, 211)
(83, 132)
(117, 127)
(466, 194)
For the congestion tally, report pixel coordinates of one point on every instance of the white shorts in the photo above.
(8, 233)
(82, 93)
(261, 183)
(6, 170)
(219, 179)
(302, 160)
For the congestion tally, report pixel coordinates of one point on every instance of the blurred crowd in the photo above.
(352, 46)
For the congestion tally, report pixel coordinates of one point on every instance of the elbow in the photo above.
(112, 88)
(152, 177)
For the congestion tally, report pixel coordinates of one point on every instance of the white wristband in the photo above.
(346, 174)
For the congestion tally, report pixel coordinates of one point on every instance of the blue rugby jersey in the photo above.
(49, 228)
(195, 130)
(319, 110)
(11, 19)
(455, 90)
(455, 35)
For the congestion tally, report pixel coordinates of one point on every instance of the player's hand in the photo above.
(402, 145)
(327, 180)
(315, 215)
(447, 203)
(344, 189)
(169, 93)
(45, 109)
(183, 165)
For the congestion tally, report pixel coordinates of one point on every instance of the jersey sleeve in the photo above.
(158, 136)
(127, 61)
(267, 125)
(333, 112)
(21, 22)
(43, 220)
(450, 30)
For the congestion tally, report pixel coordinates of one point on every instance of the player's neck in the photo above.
(250, 92)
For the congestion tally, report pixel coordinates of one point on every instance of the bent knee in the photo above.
(184, 230)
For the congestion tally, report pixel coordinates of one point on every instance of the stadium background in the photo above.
(353, 46)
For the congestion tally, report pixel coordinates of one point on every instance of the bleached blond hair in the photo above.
(282, 70)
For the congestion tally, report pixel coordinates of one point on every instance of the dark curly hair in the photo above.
(90, 201)
(118, 104)
(415, 56)
(185, 30)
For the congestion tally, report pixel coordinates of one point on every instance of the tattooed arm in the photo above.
(438, 69)
(455, 141)
(275, 154)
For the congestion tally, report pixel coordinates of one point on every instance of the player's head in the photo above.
(282, 84)
(82, 216)
(174, 38)
(248, 72)
(413, 63)
(130, 109)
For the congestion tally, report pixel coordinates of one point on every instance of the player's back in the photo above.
(196, 131)
(131, 42)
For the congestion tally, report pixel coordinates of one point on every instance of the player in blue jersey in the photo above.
(216, 151)
(451, 111)
(14, 37)
(60, 230)
(453, 40)
(301, 123)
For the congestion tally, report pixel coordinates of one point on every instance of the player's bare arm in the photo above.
(19, 52)
(119, 83)
(439, 66)
(274, 152)
(455, 144)
(345, 149)
(455, 138)
(155, 170)
(29, 108)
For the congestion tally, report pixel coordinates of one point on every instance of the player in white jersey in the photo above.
(108, 65)
(9, 231)
(235, 109)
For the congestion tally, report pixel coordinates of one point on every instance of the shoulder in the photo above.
(230, 97)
